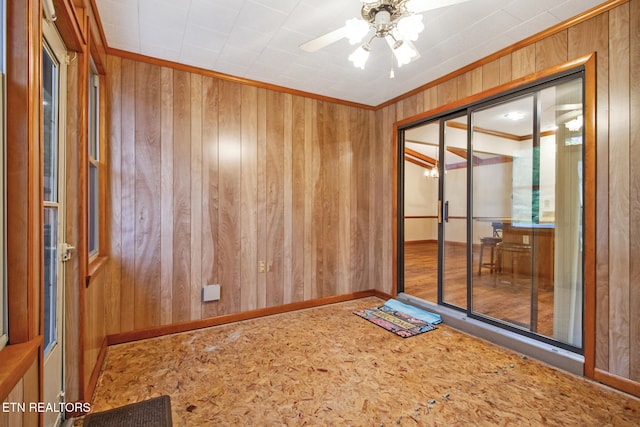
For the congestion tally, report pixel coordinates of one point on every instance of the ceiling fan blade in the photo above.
(324, 40)
(419, 6)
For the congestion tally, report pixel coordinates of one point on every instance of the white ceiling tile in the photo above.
(282, 6)
(210, 14)
(260, 39)
(199, 56)
(571, 8)
(151, 35)
(256, 17)
(162, 52)
(122, 37)
(165, 14)
(201, 37)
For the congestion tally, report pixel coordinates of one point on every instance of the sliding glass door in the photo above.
(453, 230)
(508, 213)
(421, 214)
(531, 191)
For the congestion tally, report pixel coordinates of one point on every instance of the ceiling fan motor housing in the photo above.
(383, 14)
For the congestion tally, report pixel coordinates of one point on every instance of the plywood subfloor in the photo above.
(326, 366)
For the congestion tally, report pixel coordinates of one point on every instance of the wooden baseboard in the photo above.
(141, 334)
(91, 386)
(624, 384)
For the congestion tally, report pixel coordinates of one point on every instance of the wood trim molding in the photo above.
(235, 317)
(430, 160)
(228, 77)
(621, 383)
(589, 14)
(95, 374)
(16, 359)
(68, 24)
(590, 213)
(595, 11)
(512, 85)
(23, 170)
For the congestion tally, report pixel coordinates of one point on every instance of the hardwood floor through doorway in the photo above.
(499, 295)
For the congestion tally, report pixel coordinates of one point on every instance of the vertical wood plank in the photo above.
(360, 191)
(210, 206)
(584, 38)
(383, 212)
(288, 199)
(505, 69)
(14, 418)
(551, 51)
(619, 260)
(634, 159)
(410, 106)
(317, 221)
(127, 214)
(275, 198)
(166, 197)
(114, 145)
(181, 302)
(344, 160)
(523, 61)
(447, 93)
(196, 281)
(430, 99)
(230, 153)
(249, 199)
(147, 204)
(330, 201)
(298, 235)
(262, 194)
(309, 202)
(491, 74)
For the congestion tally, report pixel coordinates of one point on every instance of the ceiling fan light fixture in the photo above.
(355, 30)
(574, 125)
(359, 56)
(404, 53)
(410, 27)
(383, 17)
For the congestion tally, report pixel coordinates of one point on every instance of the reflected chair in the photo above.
(490, 243)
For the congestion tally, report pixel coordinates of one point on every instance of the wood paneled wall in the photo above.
(615, 37)
(26, 391)
(210, 177)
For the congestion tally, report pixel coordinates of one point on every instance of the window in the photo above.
(94, 162)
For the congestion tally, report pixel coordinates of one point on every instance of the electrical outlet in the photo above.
(211, 293)
(262, 267)
(525, 240)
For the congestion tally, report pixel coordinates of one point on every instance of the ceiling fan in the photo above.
(397, 21)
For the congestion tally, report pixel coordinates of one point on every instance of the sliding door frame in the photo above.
(584, 66)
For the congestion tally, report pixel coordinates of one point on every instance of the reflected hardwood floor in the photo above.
(497, 295)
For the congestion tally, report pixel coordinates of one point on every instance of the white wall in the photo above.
(420, 199)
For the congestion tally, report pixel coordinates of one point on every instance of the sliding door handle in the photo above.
(446, 211)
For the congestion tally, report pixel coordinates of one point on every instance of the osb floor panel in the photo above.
(326, 366)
